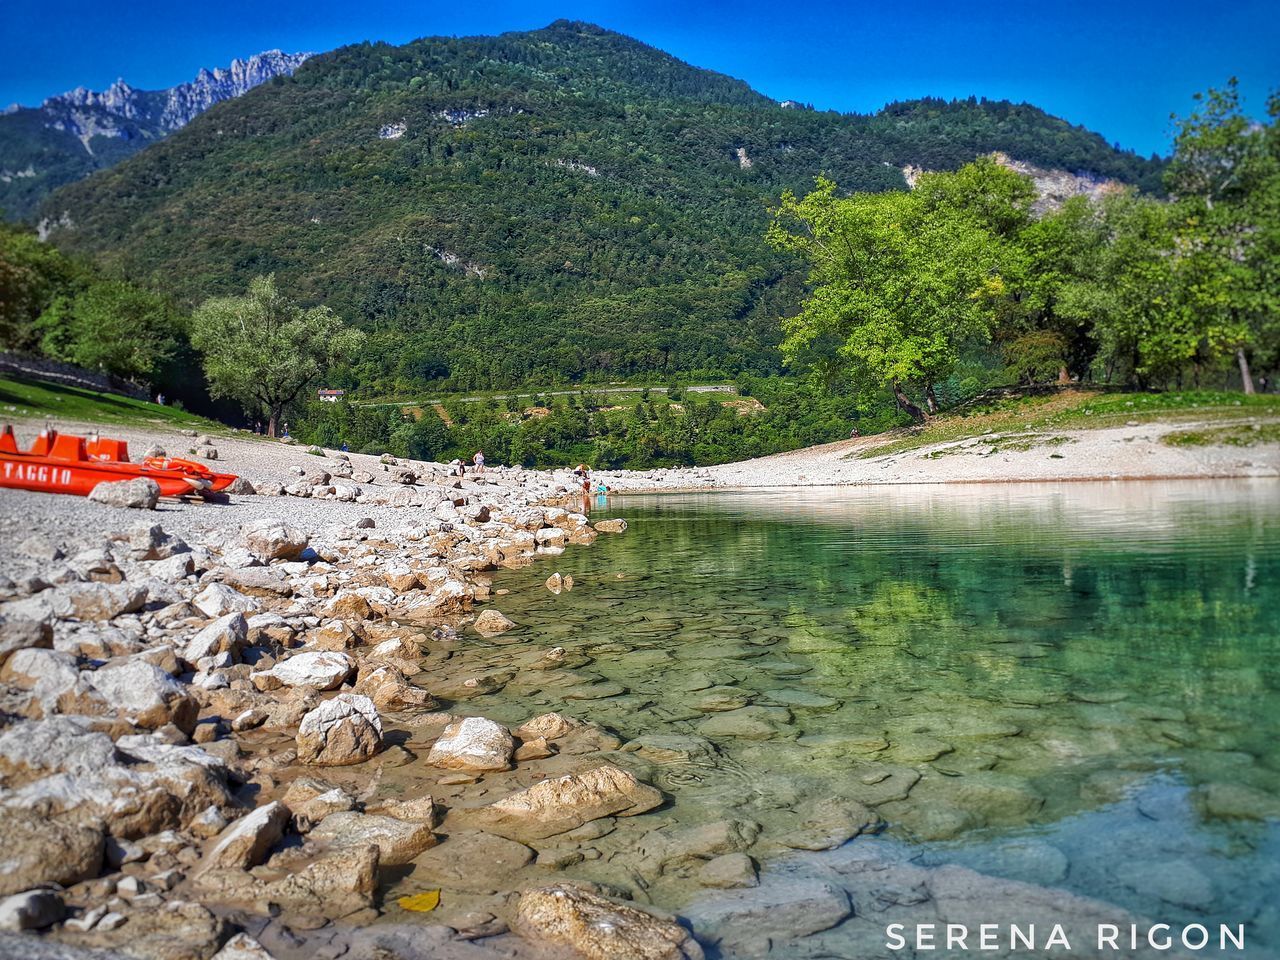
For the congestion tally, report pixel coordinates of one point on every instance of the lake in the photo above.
(1074, 686)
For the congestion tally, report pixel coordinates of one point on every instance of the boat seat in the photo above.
(67, 447)
(116, 451)
(40, 447)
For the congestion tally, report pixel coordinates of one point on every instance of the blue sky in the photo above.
(1118, 68)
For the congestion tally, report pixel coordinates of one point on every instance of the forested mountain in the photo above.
(565, 203)
(75, 133)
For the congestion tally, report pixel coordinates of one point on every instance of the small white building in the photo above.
(331, 396)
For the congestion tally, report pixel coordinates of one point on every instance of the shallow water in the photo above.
(1051, 683)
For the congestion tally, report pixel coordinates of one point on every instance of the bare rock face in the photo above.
(341, 731)
(146, 695)
(40, 850)
(140, 493)
(324, 670)
(599, 928)
(269, 539)
(398, 841)
(617, 525)
(559, 805)
(473, 743)
(491, 622)
(245, 843)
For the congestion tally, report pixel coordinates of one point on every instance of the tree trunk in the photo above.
(1245, 377)
(1064, 375)
(271, 424)
(931, 400)
(905, 403)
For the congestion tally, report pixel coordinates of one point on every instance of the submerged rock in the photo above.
(599, 928)
(398, 841)
(492, 622)
(558, 805)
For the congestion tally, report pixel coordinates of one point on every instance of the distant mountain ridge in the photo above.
(558, 204)
(72, 134)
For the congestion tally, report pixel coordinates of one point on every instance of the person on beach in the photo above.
(479, 461)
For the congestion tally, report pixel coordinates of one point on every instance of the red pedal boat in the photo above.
(65, 464)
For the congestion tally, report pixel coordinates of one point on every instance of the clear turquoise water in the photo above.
(1061, 680)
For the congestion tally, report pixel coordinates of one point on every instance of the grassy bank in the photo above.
(22, 399)
(1035, 418)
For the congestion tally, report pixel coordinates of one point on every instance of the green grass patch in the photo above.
(1235, 435)
(22, 399)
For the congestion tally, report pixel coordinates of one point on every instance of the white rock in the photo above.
(218, 600)
(473, 743)
(324, 670)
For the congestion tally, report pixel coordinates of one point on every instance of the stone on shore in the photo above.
(245, 842)
(146, 695)
(39, 849)
(599, 928)
(140, 493)
(341, 731)
(492, 622)
(559, 805)
(31, 910)
(218, 600)
(473, 743)
(324, 670)
(243, 947)
(398, 841)
(21, 634)
(269, 539)
(225, 635)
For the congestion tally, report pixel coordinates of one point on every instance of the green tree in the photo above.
(112, 326)
(902, 282)
(263, 349)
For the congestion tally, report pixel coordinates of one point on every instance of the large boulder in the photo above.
(473, 743)
(561, 804)
(140, 493)
(599, 928)
(39, 850)
(341, 731)
(269, 539)
(146, 695)
(246, 842)
(398, 841)
(324, 670)
(84, 601)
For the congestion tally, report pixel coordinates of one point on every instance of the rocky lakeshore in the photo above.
(268, 728)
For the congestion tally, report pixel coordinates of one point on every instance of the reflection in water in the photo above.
(1075, 685)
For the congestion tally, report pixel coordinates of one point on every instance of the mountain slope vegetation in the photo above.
(565, 204)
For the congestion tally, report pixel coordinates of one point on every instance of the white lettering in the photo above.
(1159, 945)
(956, 933)
(1224, 934)
(893, 936)
(1028, 939)
(924, 936)
(1109, 936)
(1057, 938)
(1204, 936)
(987, 933)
